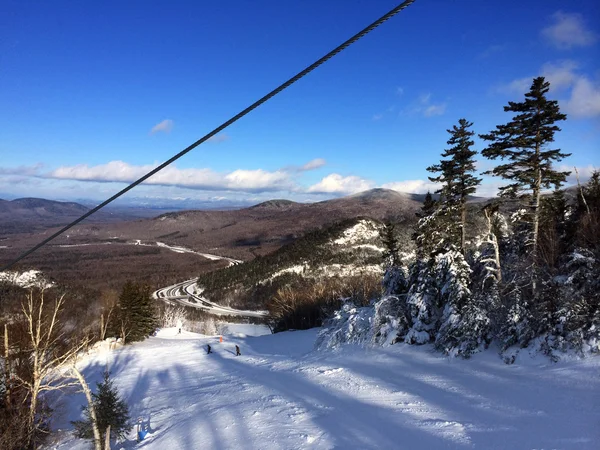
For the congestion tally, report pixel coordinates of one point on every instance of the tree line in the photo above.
(529, 276)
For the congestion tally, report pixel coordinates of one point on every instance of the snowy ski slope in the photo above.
(282, 395)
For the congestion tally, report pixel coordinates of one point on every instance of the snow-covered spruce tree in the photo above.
(422, 302)
(464, 325)
(523, 143)
(577, 319)
(110, 410)
(425, 233)
(458, 181)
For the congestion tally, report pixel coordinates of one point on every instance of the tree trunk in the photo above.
(88, 396)
(107, 439)
(7, 379)
(493, 239)
(463, 220)
(537, 191)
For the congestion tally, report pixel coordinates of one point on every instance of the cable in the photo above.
(221, 127)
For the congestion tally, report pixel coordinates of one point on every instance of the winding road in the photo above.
(187, 293)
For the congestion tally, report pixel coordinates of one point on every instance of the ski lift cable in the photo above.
(221, 127)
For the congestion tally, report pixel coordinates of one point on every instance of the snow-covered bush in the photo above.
(379, 324)
(349, 325)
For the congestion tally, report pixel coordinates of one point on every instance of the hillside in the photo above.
(348, 248)
(97, 252)
(245, 233)
(281, 394)
(29, 215)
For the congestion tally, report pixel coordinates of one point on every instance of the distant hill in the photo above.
(256, 230)
(28, 215)
(24, 215)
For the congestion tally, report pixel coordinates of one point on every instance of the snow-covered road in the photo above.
(281, 395)
(187, 293)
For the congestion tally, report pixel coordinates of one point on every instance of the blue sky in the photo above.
(95, 93)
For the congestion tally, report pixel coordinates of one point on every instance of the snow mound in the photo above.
(28, 279)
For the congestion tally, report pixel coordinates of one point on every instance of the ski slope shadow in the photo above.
(501, 407)
(345, 420)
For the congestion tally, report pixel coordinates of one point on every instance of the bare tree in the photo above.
(48, 350)
(88, 395)
(491, 216)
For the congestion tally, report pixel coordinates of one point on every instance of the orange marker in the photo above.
(220, 338)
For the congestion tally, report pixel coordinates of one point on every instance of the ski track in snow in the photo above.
(281, 395)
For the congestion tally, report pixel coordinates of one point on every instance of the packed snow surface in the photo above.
(280, 394)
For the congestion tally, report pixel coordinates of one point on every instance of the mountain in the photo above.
(30, 214)
(27, 215)
(247, 232)
(168, 248)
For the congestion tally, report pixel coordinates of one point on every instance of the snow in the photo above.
(370, 247)
(364, 230)
(179, 249)
(282, 394)
(297, 269)
(27, 279)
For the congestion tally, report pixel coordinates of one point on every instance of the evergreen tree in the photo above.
(427, 235)
(110, 410)
(464, 323)
(422, 303)
(524, 142)
(553, 228)
(136, 314)
(458, 181)
(391, 246)
(428, 206)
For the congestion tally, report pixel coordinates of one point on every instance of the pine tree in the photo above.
(464, 324)
(110, 410)
(524, 142)
(422, 303)
(458, 181)
(428, 206)
(136, 314)
(553, 228)
(427, 236)
(391, 246)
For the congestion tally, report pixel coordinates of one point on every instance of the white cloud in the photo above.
(435, 110)
(585, 99)
(378, 116)
(585, 172)
(582, 93)
(518, 86)
(425, 107)
(165, 126)
(221, 137)
(568, 30)
(314, 164)
(337, 184)
(399, 90)
(561, 74)
(27, 171)
(492, 50)
(412, 186)
(204, 179)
